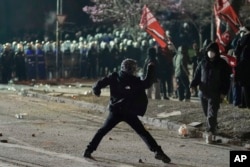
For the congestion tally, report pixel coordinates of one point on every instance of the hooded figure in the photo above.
(127, 101)
(151, 58)
(213, 78)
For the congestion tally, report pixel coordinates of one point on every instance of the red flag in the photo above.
(223, 39)
(229, 59)
(227, 13)
(151, 26)
(217, 23)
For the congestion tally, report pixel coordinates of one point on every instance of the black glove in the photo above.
(96, 91)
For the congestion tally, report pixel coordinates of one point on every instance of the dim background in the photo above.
(18, 17)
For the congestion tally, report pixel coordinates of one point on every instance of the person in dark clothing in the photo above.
(213, 78)
(92, 59)
(127, 100)
(30, 57)
(20, 66)
(6, 62)
(242, 71)
(165, 72)
(40, 62)
(116, 57)
(105, 60)
(155, 88)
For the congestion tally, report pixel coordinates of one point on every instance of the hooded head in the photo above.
(206, 43)
(129, 66)
(212, 50)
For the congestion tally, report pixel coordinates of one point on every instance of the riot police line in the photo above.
(37, 62)
(86, 58)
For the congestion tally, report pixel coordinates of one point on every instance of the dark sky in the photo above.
(29, 15)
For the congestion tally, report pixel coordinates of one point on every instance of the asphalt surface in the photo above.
(44, 156)
(53, 92)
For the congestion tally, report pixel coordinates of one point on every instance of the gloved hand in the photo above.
(97, 92)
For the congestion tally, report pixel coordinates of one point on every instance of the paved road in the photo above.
(54, 133)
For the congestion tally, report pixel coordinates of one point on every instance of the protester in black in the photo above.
(127, 100)
(154, 90)
(165, 72)
(213, 78)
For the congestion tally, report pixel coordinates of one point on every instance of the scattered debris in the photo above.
(21, 115)
(165, 114)
(70, 95)
(4, 141)
(54, 94)
(194, 133)
(160, 106)
(183, 130)
(89, 92)
(247, 146)
(195, 124)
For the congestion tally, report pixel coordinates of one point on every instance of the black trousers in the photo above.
(183, 87)
(163, 87)
(245, 96)
(112, 120)
(210, 106)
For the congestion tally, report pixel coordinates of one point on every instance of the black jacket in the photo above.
(212, 77)
(127, 92)
(242, 52)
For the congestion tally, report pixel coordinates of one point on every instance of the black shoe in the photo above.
(242, 106)
(166, 98)
(163, 157)
(87, 154)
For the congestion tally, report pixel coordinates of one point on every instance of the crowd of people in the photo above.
(212, 73)
(95, 56)
(92, 57)
(103, 51)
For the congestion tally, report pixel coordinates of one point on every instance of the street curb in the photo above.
(152, 121)
(148, 120)
(160, 123)
(92, 106)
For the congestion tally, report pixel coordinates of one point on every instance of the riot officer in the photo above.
(20, 68)
(7, 63)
